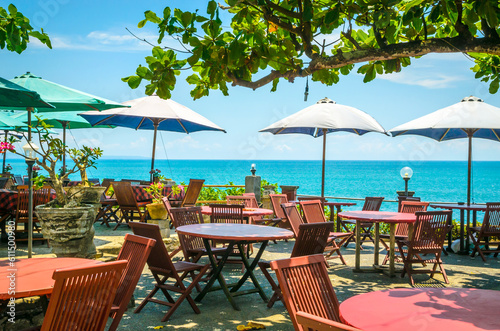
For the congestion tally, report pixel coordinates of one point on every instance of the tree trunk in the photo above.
(83, 174)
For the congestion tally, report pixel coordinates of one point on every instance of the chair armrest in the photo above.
(309, 321)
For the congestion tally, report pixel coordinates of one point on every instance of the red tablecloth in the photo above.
(8, 200)
(247, 212)
(142, 195)
(426, 309)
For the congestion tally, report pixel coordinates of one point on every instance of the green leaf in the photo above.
(142, 71)
(12, 10)
(275, 84)
(494, 86)
(307, 13)
(332, 16)
(212, 6)
(142, 23)
(409, 4)
(152, 17)
(133, 81)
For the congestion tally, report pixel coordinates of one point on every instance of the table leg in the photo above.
(462, 223)
(392, 244)
(216, 273)
(249, 271)
(357, 267)
(376, 244)
(450, 240)
(339, 210)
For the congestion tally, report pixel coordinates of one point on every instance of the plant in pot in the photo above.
(6, 170)
(65, 222)
(156, 173)
(156, 209)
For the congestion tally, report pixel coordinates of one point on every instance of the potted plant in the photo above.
(6, 170)
(35, 169)
(66, 223)
(156, 209)
(156, 173)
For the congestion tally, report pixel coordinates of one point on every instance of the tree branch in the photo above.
(283, 10)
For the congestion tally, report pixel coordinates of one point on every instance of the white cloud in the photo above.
(422, 78)
(282, 148)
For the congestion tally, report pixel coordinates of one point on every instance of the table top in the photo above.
(247, 212)
(230, 231)
(423, 309)
(457, 206)
(379, 216)
(331, 203)
(34, 276)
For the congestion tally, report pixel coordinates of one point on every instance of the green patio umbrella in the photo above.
(62, 120)
(16, 96)
(8, 123)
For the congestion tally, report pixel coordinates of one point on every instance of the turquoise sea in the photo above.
(432, 180)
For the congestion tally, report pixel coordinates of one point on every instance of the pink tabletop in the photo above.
(247, 212)
(34, 276)
(379, 216)
(426, 309)
(229, 231)
(457, 206)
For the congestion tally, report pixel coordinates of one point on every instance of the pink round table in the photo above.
(234, 235)
(247, 212)
(392, 218)
(33, 277)
(429, 309)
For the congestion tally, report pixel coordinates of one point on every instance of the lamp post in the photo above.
(30, 153)
(253, 169)
(406, 174)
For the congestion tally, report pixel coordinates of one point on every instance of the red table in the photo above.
(427, 309)
(332, 205)
(376, 217)
(464, 249)
(247, 212)
(34, 276)
(235, 235)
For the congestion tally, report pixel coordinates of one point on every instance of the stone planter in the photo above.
(86, 195)
(157, 211)
(164, 226)
(70, 231)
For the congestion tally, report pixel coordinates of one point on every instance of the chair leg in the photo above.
(276, 289)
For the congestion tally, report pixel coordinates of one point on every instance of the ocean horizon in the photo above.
(432, 180)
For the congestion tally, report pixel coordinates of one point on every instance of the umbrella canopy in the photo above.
(153, 113)
(469, 118)
(322, 118)
(16, 96)
(8, 123)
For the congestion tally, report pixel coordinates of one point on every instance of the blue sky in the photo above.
(92, 51)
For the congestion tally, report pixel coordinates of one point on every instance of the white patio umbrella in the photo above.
(471, 117)
(324, 117)
(153, 113)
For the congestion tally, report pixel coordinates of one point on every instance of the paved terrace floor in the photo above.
(217, 313)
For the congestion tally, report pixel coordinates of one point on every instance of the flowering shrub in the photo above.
(36, 169)
(7, 168)
(155, 173)
(6, 146)
(156, 191)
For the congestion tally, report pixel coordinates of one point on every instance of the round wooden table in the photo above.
(429, 309)
(464, 238)
(392, 218)
(33, 277)
(247, 212)
(235, 235)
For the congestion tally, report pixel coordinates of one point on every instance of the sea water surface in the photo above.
(432, 180)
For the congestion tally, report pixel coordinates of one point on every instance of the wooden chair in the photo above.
(313, 213)
(107, 211)
(306, 287)
(401, 199)
(192, 193)
(136, 251)
(292, 217)
(82, 297)
(371, 204)
(429, 234)
(314, 323)
(40, 197)
(276, 201)
(161, 266)
(407, 206)
(192, 247)
(130, 208)
(312, 239)
(322, 199)
(481, 235)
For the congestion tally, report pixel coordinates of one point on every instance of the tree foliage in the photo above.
(15, 30)
(271, 40)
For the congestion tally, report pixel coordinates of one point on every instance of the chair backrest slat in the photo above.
(158, 258)
(491, 221)
(192, 193)
(321, 199)
(226, 213)
(187, 216)
(292, 216)
(82, 297)
(276, 201)
(306, 287)
(372, 203)
(312, 239)
(124, 194)
(409, 207)
(313, 211)
(247, 201)
(430, 228)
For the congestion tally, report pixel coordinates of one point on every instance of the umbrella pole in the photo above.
(64, 125)
(323, 170)
(154, 148)
(469, 169)
(30, 191)
(4, 154)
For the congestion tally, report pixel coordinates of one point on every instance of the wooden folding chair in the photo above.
(192, 247)
(429, 234)
(107, 211)
(314, 323)
(161, 266)
(192, 193)
(82, 297)
(312, 239)
(292, 217)
(136, 251)
(130, 208)
(276, 201)
(407, 206)
(40, 197)
(371, 204)
(306, 288)
(481, 236)
(314, 213)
